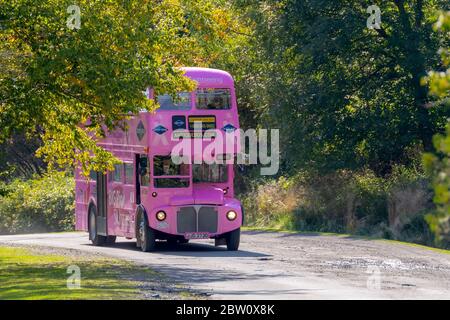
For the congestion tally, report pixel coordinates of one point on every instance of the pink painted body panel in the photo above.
(142, 139)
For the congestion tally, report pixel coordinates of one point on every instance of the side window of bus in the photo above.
(213, 99)
(182, 101)
(144, 174)
(93, 175)
(129, 173)
(117, 173)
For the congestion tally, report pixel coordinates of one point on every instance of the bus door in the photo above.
(102, 204)
(142, 177)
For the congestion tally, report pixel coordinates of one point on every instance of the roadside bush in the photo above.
(271, 203)
(41, 204)
(361, 203)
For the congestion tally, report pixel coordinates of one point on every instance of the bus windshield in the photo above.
(168, 174)
(213, 99)
(182, 101)
(210, 173)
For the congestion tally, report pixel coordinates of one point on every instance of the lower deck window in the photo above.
(210, 173)
(168, 174)
(129, 173)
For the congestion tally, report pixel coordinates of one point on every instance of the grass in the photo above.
(443, 251)
(28, 275)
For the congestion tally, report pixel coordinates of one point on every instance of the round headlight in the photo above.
(161, 216)
(231, 215)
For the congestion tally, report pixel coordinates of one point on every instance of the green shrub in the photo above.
(42, 204)
(345, 201)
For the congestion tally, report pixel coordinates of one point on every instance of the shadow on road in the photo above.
(196, 274)
(190, 250)
(206, 275)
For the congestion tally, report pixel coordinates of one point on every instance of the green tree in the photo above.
(54, 76)
(344, 95)
(438, 164)
(18, 159)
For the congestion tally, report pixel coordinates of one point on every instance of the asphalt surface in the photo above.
(282, 266)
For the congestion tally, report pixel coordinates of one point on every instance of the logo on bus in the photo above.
(229, 128)
(160, 130)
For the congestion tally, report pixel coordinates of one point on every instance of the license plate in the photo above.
(197, 235)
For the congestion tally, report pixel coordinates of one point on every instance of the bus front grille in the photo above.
(200, 219)
(207, 219)
(187, 220)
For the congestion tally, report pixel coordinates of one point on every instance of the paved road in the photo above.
(284, 266)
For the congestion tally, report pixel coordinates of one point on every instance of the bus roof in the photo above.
(209, 77)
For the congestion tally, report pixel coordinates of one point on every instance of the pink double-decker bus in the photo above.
(151, 197)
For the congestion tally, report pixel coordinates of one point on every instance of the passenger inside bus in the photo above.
(168, 174)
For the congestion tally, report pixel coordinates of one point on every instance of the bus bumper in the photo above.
(198, 221)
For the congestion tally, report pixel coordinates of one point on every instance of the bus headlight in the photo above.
(161, 216)
(231, 215)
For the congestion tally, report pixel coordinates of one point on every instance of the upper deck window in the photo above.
(181, 101)
(213, 99)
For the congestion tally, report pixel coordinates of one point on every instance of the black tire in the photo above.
(111, 239)
(233, 238)
(97, 240)
(184, 241)
(145, 235)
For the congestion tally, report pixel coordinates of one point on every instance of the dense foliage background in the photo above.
(356, 114)
(359, 109)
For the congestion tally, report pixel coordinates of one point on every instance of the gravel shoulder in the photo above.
(273, 265)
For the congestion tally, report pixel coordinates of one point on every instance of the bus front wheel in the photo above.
(146, 236)
(233, 238)
(97, 240)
